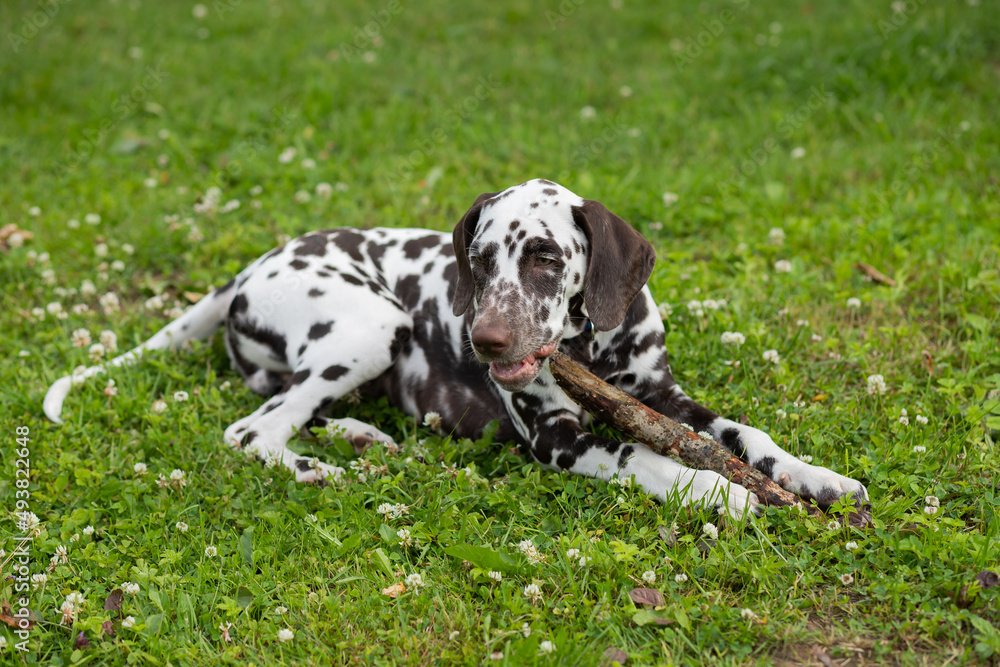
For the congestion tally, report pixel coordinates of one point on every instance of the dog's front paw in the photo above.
(711, 490)
(822, 485)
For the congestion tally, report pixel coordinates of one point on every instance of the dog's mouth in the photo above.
(519, 374)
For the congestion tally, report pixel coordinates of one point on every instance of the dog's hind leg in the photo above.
(315, 384)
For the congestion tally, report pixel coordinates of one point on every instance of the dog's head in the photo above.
(523, 254)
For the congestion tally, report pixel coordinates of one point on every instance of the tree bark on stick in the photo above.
(665, 436)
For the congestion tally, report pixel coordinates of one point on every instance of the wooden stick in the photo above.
(665, 436)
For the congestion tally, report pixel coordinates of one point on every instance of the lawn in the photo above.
(151, 150)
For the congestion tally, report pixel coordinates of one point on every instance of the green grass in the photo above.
(896, 113)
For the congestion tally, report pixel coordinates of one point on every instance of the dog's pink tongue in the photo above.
(547, 349)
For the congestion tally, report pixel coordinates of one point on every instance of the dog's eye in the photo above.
(478, 260)
(543, 261)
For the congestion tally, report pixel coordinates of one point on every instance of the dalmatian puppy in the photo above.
(462, 325)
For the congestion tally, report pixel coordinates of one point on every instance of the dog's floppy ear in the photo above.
(620, 263)
(464, 231)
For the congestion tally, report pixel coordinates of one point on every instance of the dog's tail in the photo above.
(198, 322)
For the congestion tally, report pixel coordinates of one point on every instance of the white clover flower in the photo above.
(854, 303)
(546, 647)
(101, 249)
(495, 576)
(922, 420)
(88, 531)
(178, 476)
(308, 163)
(199, 11)
(783, 266)
(748, 614)
(847, 579)
(130, 587)
(281, 610)
(159, 406)
(876, 385)
(285, 635)
(649, 577)
(670, 198)
(111, 389)
(664, 310)
(181, 527)
(584, 561)
(180, 396)
(80, 338)
(128, 622)
(128, 249)
(526, 630)
(533, 592)
(710, 531)
(287, 155)
(414, 581)
(230, 205)
(919, 449)
(109, 303)
(833, 525)
(77, 600)
(211, 551)
(904, 420)
(931, 510)
(531, 552)
(933, 501)
(772, 356)
(391, 511)
(572, 553)
(780, 414)
(324, 190)
(432, 420)
(96, 352)
(405, 538)
(733, 338)
(92, 218)
(588, 113)
(256, 190)
(38, 580)
(851, 546)
(798, 153)
(140, 468)
(681, 578)
(301, 197)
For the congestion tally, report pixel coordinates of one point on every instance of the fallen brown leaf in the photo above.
(647, 596)
(613, 656)
(394, 590)
(114, 600)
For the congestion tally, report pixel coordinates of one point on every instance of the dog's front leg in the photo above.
(550, 423)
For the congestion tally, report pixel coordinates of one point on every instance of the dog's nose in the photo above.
(491, 341)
